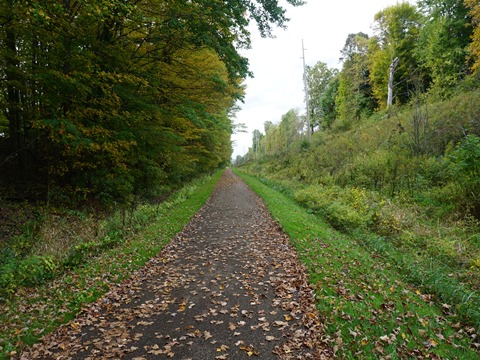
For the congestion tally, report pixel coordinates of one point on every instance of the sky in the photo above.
(277, 63)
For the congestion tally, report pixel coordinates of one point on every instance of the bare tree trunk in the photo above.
(393, 66)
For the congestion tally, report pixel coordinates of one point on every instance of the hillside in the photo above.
(404, 183)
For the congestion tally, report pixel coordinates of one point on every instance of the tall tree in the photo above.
(110, 97)
(443, 42)
(396, 34)
(474, 11)
(257, 137)
(290, 128)
(328, 101)
(319, 77)
(354, 97)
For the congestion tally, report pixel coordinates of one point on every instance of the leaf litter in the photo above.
(229, 286)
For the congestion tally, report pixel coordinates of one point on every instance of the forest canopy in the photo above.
(105, 99)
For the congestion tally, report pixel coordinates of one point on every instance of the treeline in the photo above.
(425, 144)
(432, 50)
(106, 99)
(429, 49)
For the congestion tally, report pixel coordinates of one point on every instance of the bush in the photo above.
(344, 208)
(466, 169)
(15, 272)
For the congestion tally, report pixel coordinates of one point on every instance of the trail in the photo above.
(229, 286)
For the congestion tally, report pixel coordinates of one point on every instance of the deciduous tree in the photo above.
(319, 77)
(109, 98)
(354, 97)
(396, 34)
(443, 43)
(474, 11)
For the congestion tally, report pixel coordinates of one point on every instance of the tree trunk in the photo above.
(393, 66)
(14, 105)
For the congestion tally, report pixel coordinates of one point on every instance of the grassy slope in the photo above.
(367, 305)
(35, 312)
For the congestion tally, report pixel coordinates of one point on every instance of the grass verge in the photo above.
(369, 307)
(34, 312)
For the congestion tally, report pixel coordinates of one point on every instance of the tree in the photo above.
(396, 34)
(354, 95)
(278, 138)
(328, 101)
(474, 48)
(319, 77)
(443, 43)
(290, 128)
(105, 98)
(256, 143)
(272, 140)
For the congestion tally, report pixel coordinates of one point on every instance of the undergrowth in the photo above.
(58, 240)
(50, 289)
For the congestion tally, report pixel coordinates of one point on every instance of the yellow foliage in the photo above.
(474, 7)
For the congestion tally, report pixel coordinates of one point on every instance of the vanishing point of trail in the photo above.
(229, 286)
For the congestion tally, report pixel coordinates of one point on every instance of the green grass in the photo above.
(365, 296)
(34, 312)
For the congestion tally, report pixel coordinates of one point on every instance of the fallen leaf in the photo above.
(222, 348)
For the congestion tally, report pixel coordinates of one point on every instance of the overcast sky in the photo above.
(277, 64)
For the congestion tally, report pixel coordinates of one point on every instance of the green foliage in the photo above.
(344, 208)
(319, 78)
(397, 30)
(406, 182)
(16, 272)
(110, 100)
(474, 47)
(466, 169)
(328, 101)
(8, 283)
(466, 157)
(354, 98)
(406, 300)
(443, 42)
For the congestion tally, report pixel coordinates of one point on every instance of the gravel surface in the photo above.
(229, 286)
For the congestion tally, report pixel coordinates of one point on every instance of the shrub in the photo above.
(15, 272)
(344, 208)
(466, 169)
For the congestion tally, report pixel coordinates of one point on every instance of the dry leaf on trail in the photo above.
(222, 348)
(249, 350)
